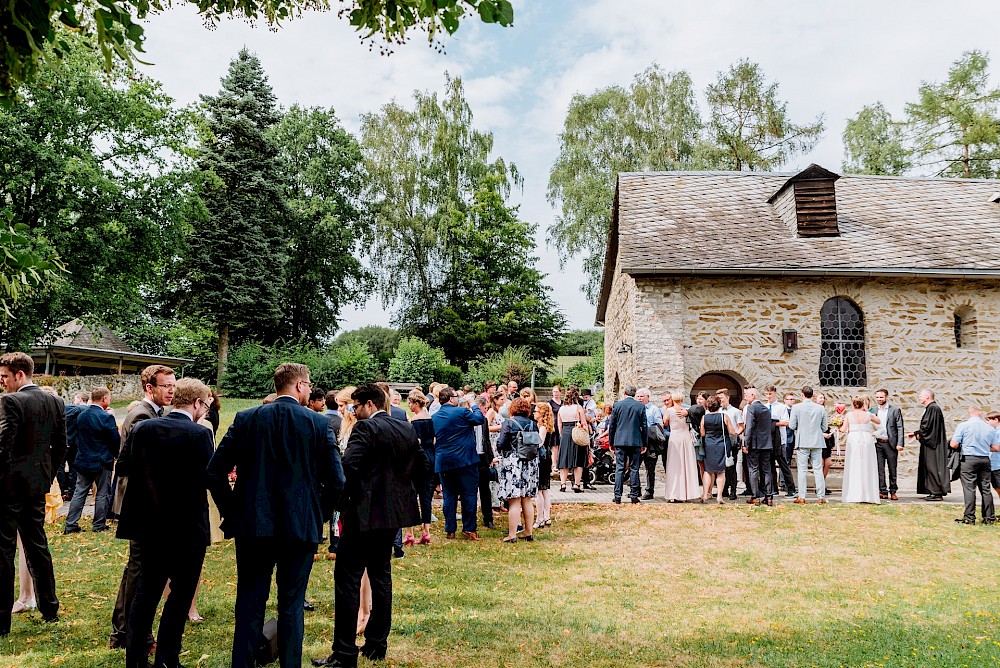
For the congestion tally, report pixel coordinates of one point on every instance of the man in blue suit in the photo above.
(97, 442)
(456, 461)
(288, 479)
(165, 510)
(627, 436)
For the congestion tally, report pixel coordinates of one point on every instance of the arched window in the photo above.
(965, 328)
(842, 352)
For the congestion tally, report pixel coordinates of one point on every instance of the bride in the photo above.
(860, 465)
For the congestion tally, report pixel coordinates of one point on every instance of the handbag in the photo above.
(267, 646)
(581, 436)
(655, 433)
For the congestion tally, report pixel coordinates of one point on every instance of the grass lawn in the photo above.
(664, 585)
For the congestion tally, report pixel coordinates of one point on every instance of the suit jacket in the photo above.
(288, 473)
(809, 422)
(894, 426)
(398, 413)
(455, 440)
(384, 466)
(32, 441)
(97, 440)
(167, 499)
(758, 432)
(72, 413)
(143, 411)
(336, 422)
(627, 424)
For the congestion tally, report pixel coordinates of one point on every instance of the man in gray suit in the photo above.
(627, 436)
(758, 443)
(810, 425)
(888, 444)
(159, 383)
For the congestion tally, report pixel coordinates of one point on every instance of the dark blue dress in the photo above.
(718, 441)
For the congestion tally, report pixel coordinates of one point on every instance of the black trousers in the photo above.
(289, 563)
(650, 460)
(778, 457)
(126, 595)
(976, 476)
(25, 515)
(360, 550)
(180, 562)
(761, 482)
(887, 456)
(485, 498)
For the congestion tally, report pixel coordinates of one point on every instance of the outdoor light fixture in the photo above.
(789, 340)
(625, 348)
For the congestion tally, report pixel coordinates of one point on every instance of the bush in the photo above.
(450, 375)
(250, 369)
(513, 363)
(587, 373)
(415, 361)
(381, 341)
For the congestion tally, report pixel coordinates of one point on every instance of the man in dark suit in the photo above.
(627, 435)
(158, 384)
(32, 449)
(758, 443)
(97, 443)
(288, 479)
(385, 466)
(889, 440)
(165, 510)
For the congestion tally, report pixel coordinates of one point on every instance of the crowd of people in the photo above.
(353, 468)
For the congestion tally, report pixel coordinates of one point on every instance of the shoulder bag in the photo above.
(580, 435)
(727, 448)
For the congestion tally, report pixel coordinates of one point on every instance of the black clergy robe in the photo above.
(932, 471)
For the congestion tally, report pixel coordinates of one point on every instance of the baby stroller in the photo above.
(603, 470)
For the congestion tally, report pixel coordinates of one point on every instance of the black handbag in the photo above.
(267, 649)
(654, 434)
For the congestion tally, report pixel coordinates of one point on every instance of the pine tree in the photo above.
(235, 262)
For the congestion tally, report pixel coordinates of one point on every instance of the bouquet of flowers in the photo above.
(839, 409)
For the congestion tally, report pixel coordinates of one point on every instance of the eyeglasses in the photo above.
(167, 387)
(308, 384)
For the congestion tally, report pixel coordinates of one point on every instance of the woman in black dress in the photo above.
(547, 428)
(424, 426)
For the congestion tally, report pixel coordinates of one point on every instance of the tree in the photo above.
(95, 167)
(493, 294)
(749, 125)
(322, 173)
(23, 271)
(235, 267)
(581, 342)
(415, 361)
(874, 143)
(381, 341)
(34, 31)
(654, 125)
(955, 125)
(512, 363)
(423, 166)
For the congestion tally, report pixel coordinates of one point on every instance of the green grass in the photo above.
(665, 585)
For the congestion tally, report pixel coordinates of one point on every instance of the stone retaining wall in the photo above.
(125, 387)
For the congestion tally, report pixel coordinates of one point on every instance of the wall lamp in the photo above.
(625, 348)
(789, 340)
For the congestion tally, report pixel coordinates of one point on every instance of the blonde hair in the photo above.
(529, 394)
(858, 402)
(678, 397)
(190, 390)
(545, 417)
(416, 397)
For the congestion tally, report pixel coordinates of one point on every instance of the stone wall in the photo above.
(123, 387)
(681, 328)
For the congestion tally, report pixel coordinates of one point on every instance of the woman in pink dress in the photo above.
(682, 463)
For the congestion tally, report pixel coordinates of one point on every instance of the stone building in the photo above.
(845, 283)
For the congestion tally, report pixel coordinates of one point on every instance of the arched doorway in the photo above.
(712, 381)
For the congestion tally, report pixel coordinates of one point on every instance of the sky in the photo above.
(829, 59)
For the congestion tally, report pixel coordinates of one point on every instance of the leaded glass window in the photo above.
(842, 352)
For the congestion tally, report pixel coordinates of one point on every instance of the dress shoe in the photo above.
(790, 493)
(372, 654)
(752, 499)
(754, 502)
(635, 499)
(893, 497)
(990, 520)
(933, 497)
(799, 499)
(769, 502)
(102, 529)
(450, 535)
(733, 498)
(332, 662)
(69, 530)
(587, 485)
(883, 496)
(616, 500)
(470, 535)
(821, 502)
(397, 552)
(489, 526)
(308, 607)
(50, 620)
(648, 496)
(962, 520)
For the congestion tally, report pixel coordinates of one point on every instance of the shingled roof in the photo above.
(77, 334)
(721, 223)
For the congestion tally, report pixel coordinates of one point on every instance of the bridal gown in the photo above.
(860, 465)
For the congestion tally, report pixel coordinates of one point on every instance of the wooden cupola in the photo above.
(807, 203)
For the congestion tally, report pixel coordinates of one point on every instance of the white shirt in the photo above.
(881, 431)
(779, 412)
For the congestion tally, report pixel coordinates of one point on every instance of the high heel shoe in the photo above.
(562, 487)
(408, 540)
(425, 538)
(20, 607)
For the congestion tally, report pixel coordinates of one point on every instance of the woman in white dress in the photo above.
(860, 464)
